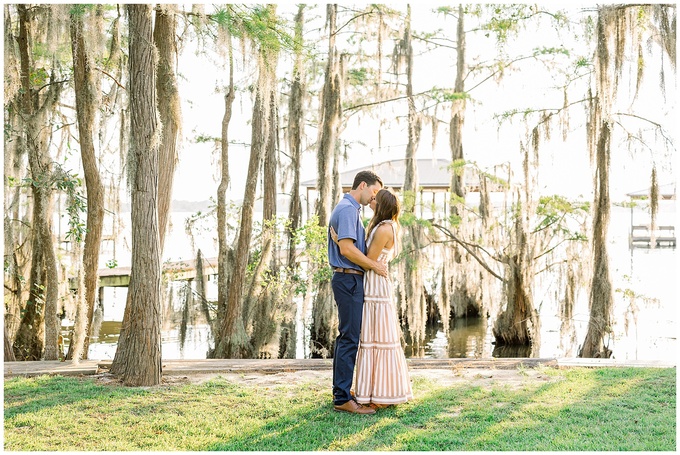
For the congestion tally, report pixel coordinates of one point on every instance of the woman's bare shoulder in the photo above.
(384, 230)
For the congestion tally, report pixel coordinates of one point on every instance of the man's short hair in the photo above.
(369, 177)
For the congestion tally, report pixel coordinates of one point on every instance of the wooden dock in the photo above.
(641, 236)
(273, 366)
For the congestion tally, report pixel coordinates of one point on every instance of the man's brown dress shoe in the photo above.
(353, 408)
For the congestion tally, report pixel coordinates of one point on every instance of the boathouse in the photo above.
(642, 234)
(434, 181)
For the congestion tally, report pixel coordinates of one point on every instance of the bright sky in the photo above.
(565, 165)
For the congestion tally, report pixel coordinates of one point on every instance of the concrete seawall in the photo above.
(273, 366)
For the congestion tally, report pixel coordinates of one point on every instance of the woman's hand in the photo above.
(334, 235)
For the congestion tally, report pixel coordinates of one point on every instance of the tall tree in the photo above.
(458, 109)
(331, 108)
(264, 292)
(323, 310)
(616, 27)
(413, 302)
(232, 340)
(138, 357)
(87, 102)
(168, 109)
(518, 323)
(225, 252)
(39, 324)
(287, 342)
(16, 222)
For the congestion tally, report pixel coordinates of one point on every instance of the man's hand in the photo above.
(380, 269)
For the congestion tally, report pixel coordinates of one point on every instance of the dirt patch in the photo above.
(443, 377)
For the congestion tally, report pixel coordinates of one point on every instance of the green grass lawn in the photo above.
(611, 409)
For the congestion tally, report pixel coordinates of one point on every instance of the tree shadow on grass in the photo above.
(624, 410)
(547, 417)
(29, 395)
(607, 410)
(320, 428)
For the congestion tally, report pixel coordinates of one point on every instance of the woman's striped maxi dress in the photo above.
(381, 372)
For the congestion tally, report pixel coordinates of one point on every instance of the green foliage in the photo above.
(408, 201)
(505, 20)
(447, 95)
(408, 219)
(454, 199)
(628, 204)
(204, 138)
(458, 166)
(313, 239)
(71, 184)
(447, 10)
(555, 211)
(112, 263)
(631, 295)
(38, 77)
(79, 9)
(357, 76)
(222, 16)
(551, 51)
(258, 23)
(454, 220)
(583, 62)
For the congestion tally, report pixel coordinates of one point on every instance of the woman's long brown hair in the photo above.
(387, 208)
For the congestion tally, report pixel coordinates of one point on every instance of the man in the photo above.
(348, 261)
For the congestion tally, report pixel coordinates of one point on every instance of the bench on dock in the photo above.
(642, 235)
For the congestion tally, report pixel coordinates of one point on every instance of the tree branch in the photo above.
(472, 253)
(112, 78)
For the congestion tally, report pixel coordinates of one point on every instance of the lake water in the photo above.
(647, 332)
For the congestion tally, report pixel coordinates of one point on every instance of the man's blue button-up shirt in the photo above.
(346, 220)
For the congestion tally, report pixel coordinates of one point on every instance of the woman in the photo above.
(382, 377)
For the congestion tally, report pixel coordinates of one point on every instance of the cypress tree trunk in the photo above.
(264, 325)
(86, 106)
(463, 289)
(15, 219)
(233, 340)
(458, 110)
(138, 357)
(15, 232)
(519, 324)
(331, 109)
(414, 303)
(225, 252)
(288, 336)
(39, 328)
(323, 308)
(168, 108)
(601, 292)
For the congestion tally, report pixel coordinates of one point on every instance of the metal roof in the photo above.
(666, 191)
(432, 173)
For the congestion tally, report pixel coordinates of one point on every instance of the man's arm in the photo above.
(351, 252)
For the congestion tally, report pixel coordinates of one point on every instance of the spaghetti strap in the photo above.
(394, 233)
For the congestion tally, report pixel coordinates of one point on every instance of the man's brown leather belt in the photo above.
(341, 270)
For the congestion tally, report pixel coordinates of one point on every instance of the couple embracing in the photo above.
(367, 324)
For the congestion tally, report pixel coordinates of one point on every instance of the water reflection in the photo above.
(466, 338)
(103, 346)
